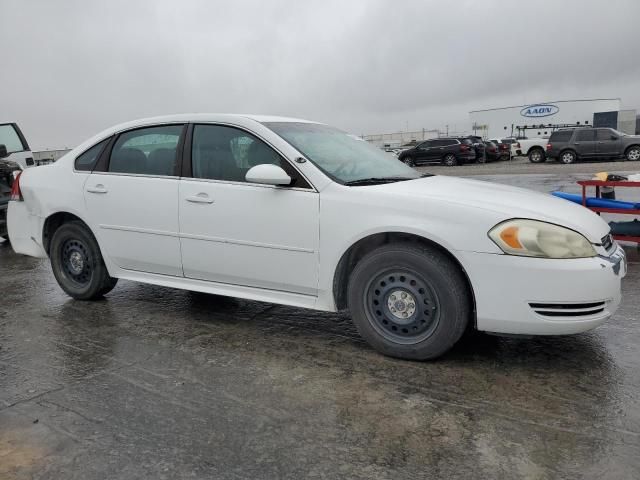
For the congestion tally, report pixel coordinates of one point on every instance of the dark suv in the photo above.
(448, 151)
(569, 145)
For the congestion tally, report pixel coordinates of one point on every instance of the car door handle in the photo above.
(97, 189)
(199, 198)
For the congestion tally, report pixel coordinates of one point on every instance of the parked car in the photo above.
(508, 146)
(492, 151)
(570, 145)
(447, 151)
(479, 148)
(299, 213)
(534, 148)
(17, 147)
(8, 171)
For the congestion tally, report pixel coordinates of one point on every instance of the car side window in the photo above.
(226, 153)
(146, 151)
(585, 135)
(427, 144)
(86, 161)
(604, 134)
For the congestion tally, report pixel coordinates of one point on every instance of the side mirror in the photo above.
(613, 137)
(268, 174)
(3, 151)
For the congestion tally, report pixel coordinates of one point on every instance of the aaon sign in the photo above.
(544, 110)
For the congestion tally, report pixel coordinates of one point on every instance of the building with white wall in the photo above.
(538, 119)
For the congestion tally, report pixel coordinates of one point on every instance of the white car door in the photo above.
(241, 233)
(133, 203)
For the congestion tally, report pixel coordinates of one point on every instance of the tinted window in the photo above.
(466, 141)
(561, 136)
(226, 153)
(427, 144)
(604, 134)
(445, 142)
(10, 139)
(585, 135)
(148, 151)
(86, 161)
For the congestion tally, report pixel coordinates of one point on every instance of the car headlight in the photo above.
(532, 238)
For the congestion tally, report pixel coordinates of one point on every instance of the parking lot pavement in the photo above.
(520, 165)
(165, 384)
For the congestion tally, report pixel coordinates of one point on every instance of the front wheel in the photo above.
(633, 154)
(568, 157)
(77, 263)
(409, 301)
(450, 160)
(536, 156)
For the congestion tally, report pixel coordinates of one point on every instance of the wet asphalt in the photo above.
(155, 383)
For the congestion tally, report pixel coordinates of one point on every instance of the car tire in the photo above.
(409, 301)
(536, 155)
(567, 157)
(633, 153)
(450, 160)
(77, 263)
(408, 161)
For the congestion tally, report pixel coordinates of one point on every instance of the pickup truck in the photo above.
(17, 147)
(534, 148)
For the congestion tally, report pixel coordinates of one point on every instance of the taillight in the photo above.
(548, 147)
(16, 194)
(464, 147)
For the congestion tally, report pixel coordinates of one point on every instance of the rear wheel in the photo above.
(568, 157)
(536, 155)
(77, 263)
(409, 161)
(450, 160)
(633, 154)
(409, 301)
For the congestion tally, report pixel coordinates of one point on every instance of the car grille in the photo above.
(568, 309)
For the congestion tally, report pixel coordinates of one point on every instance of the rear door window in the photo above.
(147, 151)
(585, 135)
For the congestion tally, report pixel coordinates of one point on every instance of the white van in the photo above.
(17, 148)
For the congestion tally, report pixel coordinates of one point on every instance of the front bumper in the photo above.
(534, 296)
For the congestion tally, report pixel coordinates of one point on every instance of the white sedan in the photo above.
(299, 213)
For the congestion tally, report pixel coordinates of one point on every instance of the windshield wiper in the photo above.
(376, 180)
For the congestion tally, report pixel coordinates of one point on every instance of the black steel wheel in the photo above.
(409, 301)
(404, 307)
(77, 263)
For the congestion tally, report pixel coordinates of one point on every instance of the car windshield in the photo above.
(343, 157)
(618, 133)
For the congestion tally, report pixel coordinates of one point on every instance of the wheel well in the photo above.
(358, 250)
(630, 147)
(52, 223)
(535, 147)
(568, 150)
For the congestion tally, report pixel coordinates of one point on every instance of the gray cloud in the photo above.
(71, 68)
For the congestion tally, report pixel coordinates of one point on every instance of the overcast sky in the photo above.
(69, 69)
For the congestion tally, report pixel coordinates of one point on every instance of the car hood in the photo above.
(508, 202)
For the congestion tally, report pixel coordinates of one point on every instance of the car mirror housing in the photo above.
(3, 151)
(268, 174)
(613, 137)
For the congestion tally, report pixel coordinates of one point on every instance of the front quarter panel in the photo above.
(349, 214)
